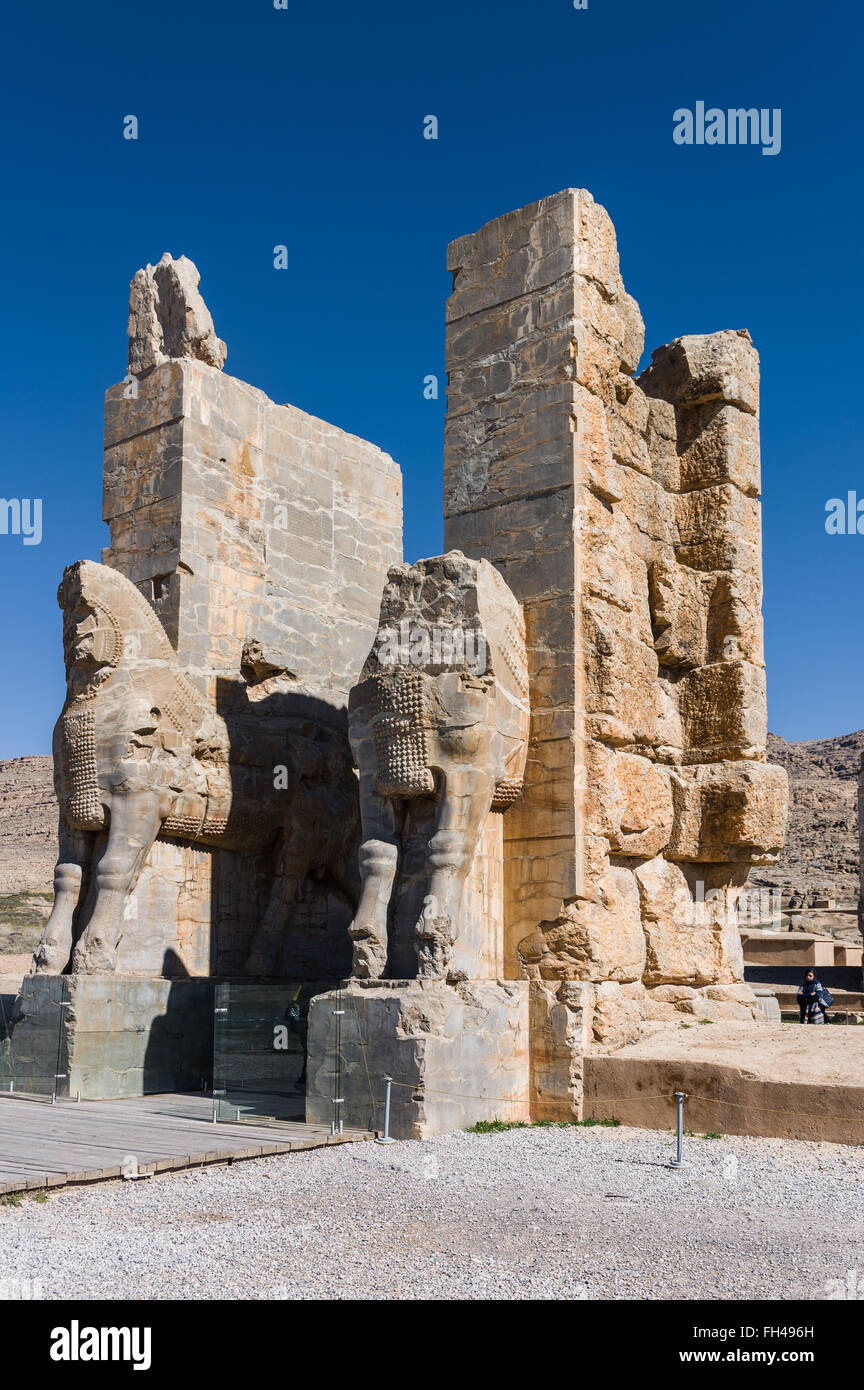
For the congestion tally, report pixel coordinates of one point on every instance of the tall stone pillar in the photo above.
(537, 323)
(624, 516)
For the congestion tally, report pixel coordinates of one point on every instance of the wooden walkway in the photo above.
(44, 1145)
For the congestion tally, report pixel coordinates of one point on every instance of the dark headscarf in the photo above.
(809, 987)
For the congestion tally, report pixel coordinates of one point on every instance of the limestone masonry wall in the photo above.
(624, 514)
(245, 521)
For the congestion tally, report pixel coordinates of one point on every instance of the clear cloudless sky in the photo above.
(304, 127)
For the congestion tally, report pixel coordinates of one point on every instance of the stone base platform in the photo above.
(774, 1080)
(457, 1054)
(108, 1036)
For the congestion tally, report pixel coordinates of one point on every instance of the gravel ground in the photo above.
(538, 1213)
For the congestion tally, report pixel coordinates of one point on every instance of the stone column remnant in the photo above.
(244, 523)
(623, 513)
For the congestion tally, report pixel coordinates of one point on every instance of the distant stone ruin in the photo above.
(557, 728)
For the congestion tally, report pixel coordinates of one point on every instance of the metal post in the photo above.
(678, 1161)
(58, 1074)
(385, 1137)
(336, 1122)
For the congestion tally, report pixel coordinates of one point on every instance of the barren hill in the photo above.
(28, 825)
(28, 848)
(821, 854)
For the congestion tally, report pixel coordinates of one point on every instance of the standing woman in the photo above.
(812, 1000)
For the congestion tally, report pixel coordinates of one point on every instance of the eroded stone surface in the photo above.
(439, 728)
(168, 317)
(457, 1053)
(139, 753)
(624, 515)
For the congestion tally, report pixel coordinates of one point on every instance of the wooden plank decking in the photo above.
(44, 1145)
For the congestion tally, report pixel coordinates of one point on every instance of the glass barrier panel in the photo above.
(259, 1051)
(33, 1037)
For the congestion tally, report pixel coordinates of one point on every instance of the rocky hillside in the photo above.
(28, 848)
(821, 855)
(28, 825)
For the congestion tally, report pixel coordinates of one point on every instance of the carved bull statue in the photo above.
(140, 753)
(439, 727)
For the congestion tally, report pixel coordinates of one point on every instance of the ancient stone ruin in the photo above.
(492, 809)
(624, 515)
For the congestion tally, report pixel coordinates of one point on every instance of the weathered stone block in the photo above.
(706, 367)
(116, 1036)
(732, 810)
(719, 529)
(561, 1017)
(719, 444)
(592, 939)
(723, 711)
(629, 801)
(457, 1054)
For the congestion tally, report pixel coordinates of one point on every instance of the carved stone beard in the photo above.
(81, 802)
(403, 714)
(92, 646)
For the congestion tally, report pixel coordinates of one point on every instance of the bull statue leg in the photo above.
(55, 948)
(379, 853)
(284, 896)
(465, 798)
(135, 822)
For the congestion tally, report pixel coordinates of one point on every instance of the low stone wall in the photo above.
(787, 948)
(781, 1081)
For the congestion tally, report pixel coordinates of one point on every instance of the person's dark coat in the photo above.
(811, 1002)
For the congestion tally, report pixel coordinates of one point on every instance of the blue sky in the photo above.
(260, 126)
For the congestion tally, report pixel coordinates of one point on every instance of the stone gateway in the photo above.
(492, 810)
